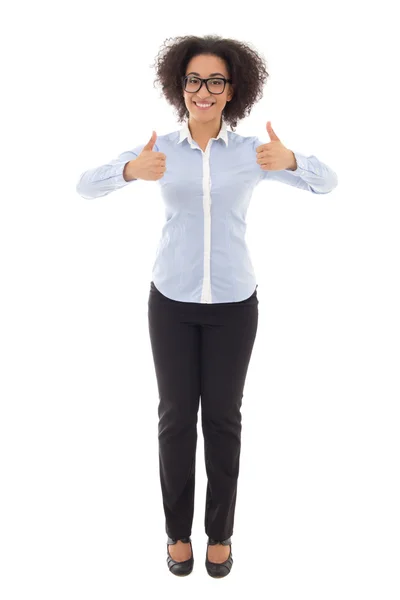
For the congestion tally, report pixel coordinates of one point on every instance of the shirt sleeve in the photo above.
(311, 174)
(106, 178)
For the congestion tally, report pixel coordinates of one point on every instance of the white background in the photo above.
(318, 494)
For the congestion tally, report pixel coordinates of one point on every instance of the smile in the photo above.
(204, 105)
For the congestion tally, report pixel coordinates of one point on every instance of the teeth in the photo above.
(203, 105)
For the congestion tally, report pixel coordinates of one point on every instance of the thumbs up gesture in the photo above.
(149, 165)
(274, 156)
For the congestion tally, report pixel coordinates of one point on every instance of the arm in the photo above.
(306, 172)
(111, 176)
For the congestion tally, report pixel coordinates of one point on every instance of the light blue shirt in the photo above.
(202, 255)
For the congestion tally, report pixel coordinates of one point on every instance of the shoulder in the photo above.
(161, 144)
(248, 142)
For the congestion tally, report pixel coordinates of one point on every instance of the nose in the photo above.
(205, 87)
(206, 96)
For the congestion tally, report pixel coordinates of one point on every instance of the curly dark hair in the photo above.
(246, 68)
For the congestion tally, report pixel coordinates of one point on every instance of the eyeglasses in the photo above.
(215, 85)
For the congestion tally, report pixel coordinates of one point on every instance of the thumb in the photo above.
(272, 135)
(151, 142)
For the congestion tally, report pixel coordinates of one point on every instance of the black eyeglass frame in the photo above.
(206, 82)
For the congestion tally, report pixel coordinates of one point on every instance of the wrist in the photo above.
(293, 164)
(128, 174)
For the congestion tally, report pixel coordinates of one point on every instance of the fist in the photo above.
(274, 156)
(149, 165)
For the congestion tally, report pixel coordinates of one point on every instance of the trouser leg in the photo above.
(227, 341)
(176, 353)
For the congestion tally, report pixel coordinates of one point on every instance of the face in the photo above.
(205, 65)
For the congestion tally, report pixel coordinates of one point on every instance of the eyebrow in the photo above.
(211, 74)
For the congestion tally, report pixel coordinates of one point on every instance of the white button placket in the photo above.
(206, 290)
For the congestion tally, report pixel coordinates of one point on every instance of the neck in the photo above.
(204, 131)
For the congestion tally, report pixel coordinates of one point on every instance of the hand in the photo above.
(274, 156)
(149, 165)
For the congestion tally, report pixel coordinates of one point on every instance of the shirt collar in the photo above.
(184, 133)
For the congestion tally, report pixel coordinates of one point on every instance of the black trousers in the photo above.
(200, 350)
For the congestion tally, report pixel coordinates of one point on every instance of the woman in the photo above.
(203, 305)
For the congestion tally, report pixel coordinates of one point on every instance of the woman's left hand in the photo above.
(274, 156)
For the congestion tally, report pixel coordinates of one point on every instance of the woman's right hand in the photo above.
(149, 165)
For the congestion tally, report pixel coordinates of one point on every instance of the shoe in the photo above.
(219, 569)
(176, 567)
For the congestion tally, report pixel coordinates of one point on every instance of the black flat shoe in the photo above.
(219, 569)
(176, 567)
